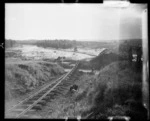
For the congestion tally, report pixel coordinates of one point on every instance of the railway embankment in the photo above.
(115, 91)
(24, 77)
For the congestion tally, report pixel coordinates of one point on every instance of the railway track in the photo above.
(36, 101)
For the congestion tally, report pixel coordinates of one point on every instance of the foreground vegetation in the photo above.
(115, 91)
(23, 77)
(100, 61)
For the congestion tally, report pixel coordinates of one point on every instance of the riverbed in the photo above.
(37, 53)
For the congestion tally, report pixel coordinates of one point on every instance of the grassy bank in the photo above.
(24, 76)
(115, 91)
(100, 61)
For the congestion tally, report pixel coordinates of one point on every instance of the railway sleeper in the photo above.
(67, 78)
(57, 92)
(17, 110)
(37, 107)
(68, 81)
(24, 117)
(62, 92)
(47, 88)
(12, 115)
(22, 106)
(35, 97)
(57, 96)
(65, 87)
(53, 92)
(51, 96)
(29, 102)
(47, 98)
(61, 86)
(42, 102)
(30, 117)
(43, 92)
(40, 95)
(52, 85)
(61, 89)
(67, 84)
(30, 112)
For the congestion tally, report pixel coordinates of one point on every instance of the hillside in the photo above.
(100, 61)
(103, 59)
(25, 76)
(116, 91)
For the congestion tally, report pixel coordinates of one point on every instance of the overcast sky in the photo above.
(72, 21)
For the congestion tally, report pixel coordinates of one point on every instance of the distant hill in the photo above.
(121, 53)
(9, 43)
(103, 59)
(117, 87)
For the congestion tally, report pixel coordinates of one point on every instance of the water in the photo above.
(34, 52)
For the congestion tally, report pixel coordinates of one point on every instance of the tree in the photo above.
(138, 61)
(130, 54)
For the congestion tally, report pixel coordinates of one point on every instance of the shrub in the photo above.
(116, 83)
(24, 77)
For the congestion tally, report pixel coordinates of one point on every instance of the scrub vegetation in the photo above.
(23, 77)
(117, 91)
(114, 91)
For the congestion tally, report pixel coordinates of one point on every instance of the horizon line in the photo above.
(95, 40)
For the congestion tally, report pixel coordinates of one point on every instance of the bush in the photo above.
(116, 83)
(117, 110)
(25, 77)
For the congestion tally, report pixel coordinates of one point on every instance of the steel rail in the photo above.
(34, 94)
(32, 105)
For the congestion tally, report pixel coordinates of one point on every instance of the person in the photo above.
(74, 88)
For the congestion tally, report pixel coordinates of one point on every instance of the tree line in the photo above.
(63, 44)
(9, 43)
(129, 47)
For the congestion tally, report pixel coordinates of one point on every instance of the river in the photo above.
(37, 53)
